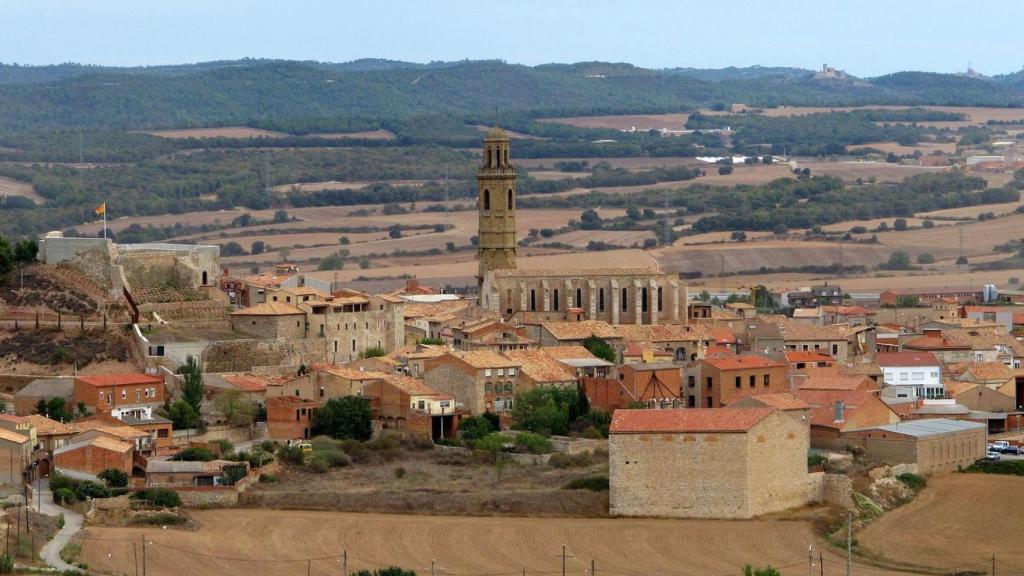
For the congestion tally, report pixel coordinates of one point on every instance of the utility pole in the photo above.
(432, 568)
(593, 570)
(344, 563)
(993, 564)
(821, 564)
(143, 555)
(849, 542)
(810, 560)
(564, 557)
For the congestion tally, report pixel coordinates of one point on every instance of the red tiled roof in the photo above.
(822, 404)
(246, 382)
(935, 343)
(723, 335)
(687, 420)
(780, 400)
(833, 382)
(906, 359)
(742, 362)
(119, 379)
(807, 356)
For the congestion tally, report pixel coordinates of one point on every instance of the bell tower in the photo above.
(496, 187)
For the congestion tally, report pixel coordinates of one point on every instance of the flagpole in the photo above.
(104, 220)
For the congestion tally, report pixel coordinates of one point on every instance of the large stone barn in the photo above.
(706, 462)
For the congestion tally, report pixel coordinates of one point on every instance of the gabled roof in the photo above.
(347, 372)
(540, 366)
(104, 442)
(780, 400)
(45, 426)
(743, 362)
(580, 330)
(484, 359)
(11, 436)
(102, 381)
(990, 371)
(823, 402)
(246, 382)
(119, 431)
(409, 385)
(894, 359)
(695, 420)
(269, 309)
(818, 381)
(793, 356)
(930, 427)
(935, 343)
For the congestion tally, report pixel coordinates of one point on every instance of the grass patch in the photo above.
(161, 519)
(1009, 467)
(912, 481)
(70, 553)
(867, 507)
(592, 483)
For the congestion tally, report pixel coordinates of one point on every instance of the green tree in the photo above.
(114, 478)
(347, 417)
(26, 251)
(192, 382)
(474, 428)
(181, 414)
(194, 455)
(54, 409)
(961, 261)
(898, 260)
(343, 240)
(333, 262)
(749, 570)
(395, 231)
(925, 258)
(390, 571)
(280, 217)
(545, 410)
(598, 347)
(237, 408)
(633, 213)
(258, 247)
(6, 257)
(373, 352)
(899, 225)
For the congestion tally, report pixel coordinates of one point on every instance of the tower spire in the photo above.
(496, 186)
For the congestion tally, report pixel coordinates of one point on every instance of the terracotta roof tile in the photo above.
(540, 366)
(409, 385)
(105, 380)
(347, 372)
(990, 371)
(10, 436)
(836, 382)
(484, 359)
(906, 359)
(580, 330)
(246, 382)
(45, 426)
(807, 356)
(822, 404)
(779, 400)
(742, 362)
(696, 420)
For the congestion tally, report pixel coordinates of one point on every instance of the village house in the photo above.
(575, 333)
(492, 335)
(51, 435)
(912, 374)
(655, 384)
(979, 398)
(786, 402)
(961, 295)
(822, 380)
(165, 473)
(818, 295)
(15, 458)
(946, 350)
(27, 398)
(141, 441)
(637, 354)
(92, 454)
(290, 417)
(407, 404)
(323, 382)
(683, 343)
(718, 382)
(19, 425)
(479, 381)
(836, 412)
(934, 445)
(120, 395)
(706, 463)
(1000, 315)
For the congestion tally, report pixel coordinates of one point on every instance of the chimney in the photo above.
(840, 409)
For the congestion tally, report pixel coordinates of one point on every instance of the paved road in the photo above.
(72, 524)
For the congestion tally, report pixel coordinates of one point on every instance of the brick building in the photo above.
(936, 445)
(26, 399)
(835, 412)
(290, 417)
(120, 394)
(15, 456)
(717, 382)
(479, 381)
(93, 454)
(706, 462)
(658, 384)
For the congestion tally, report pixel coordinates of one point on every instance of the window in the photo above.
(487, 371)
(753, 381)
(501, 371)
(659, 299)
(488, 388)
(643, 299)
(691, 381)
(600, 300)
(555, 299)
(579, 298)
(124, 394)
(835, 349)
(935, 375)
(767, 380)
(709, 382)
(487, 193)
(509, 198)
(904, 377)
(917, 376)
(508, 386)
(709, 402)
(533, 300)
(625, 300)
(296, 392)
(321, 391)
(738, 381)
(511, 371)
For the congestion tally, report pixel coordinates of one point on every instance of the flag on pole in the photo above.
(101, 209)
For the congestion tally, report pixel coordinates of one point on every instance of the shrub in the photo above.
(224, 446)
(925, 258)
(268, 478)
(559, 460)
(475, 428)
(318, 463)
(113, 477)
(89, 489)
(928, 224)
(344, 417)
(725, 170)
(592, 483)
(64, 496)
(194, 455)
(867, 507)
(160, 519)
(815, 460)
(592, 433)
(533, 443)
(60, 521)
(161, 497)
(1011, 467)
(291, 455)
(400, 472)
(1013, 280)
(913, 481)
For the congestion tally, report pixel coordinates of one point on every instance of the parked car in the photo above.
(1011, 449)
(991, 455)
(1000, 445)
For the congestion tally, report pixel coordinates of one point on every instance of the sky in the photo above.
(865, 38)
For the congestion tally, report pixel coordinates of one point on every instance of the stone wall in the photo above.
(835, 489)
(573, 446)
(93, 257)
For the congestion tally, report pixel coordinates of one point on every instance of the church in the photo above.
(614, 295)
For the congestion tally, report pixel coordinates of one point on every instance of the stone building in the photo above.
(615, 295)
(479, 381)
(706, 462)
(720, 381)
(936, 445)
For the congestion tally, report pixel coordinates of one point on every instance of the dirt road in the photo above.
(266, 542)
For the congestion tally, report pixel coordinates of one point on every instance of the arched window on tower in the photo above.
(489, 161)
(533, 300)
(509, 198)
(659, 299)
(643, 298)
(506, 156)
(487, 199)
(600, 300)
(555, 300)
(579, 298)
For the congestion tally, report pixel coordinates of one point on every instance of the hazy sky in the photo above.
(865, 37)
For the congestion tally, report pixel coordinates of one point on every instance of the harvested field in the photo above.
(466, 270)
(959, 520)
(746, 256)
(641, 122)
(973, 211)
(628, 162)
(870, 224)
(925, 147)
(9, 187)
(882, 171)
(979, 237)
(975, 114)
(225, 132)
(336, 185)
(580, 238)
(273, 543)
(365, 135)
(511, 133)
